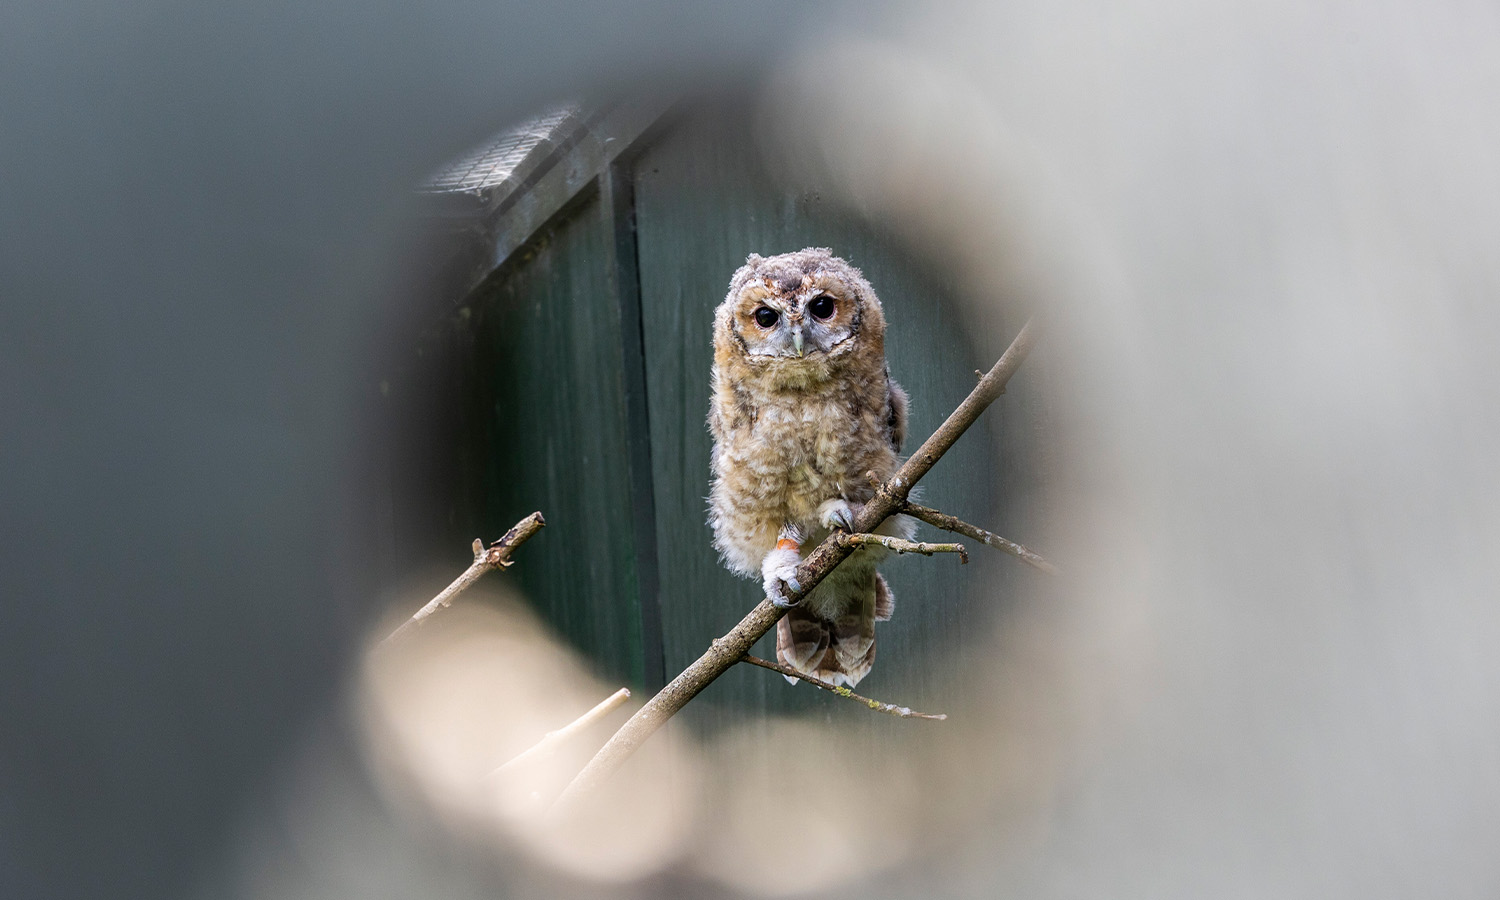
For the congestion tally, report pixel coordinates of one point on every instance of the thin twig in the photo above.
(958, 526)
(887, 708)
(496, 557)
(901, 545)
(726, 651)
(552, 739)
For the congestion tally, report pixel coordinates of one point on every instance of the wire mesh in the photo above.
(498, 160)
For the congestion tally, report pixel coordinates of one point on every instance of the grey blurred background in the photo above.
(1265, 238)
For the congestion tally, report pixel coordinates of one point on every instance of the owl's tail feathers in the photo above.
(885, 601)
(840, 652)
(855, 668)
(801, 643)
(852, 649)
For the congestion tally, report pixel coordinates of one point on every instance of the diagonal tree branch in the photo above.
(956, 525)
(728, 650)
(496, 557)
(889, 709)
(552, 739)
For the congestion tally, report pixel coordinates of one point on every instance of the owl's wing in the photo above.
(895, 416)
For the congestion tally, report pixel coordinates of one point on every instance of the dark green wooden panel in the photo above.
(550, 396)
(702, 205)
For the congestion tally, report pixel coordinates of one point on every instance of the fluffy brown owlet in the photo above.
(806, 423)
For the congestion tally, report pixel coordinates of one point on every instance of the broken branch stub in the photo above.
(497, 556)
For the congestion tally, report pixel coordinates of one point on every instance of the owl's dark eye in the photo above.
(821, 307)
(765, 317)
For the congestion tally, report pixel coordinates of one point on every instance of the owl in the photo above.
(806, 424)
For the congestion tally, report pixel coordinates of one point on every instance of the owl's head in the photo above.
(803, 312)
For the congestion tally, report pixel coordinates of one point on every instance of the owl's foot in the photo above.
(779, 569)
(838, 513)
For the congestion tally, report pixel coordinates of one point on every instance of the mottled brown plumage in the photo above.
(806, 422)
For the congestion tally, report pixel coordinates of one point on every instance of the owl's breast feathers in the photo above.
(780, 453)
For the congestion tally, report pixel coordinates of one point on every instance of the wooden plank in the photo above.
(702, 204)
(553, 435)
(618, 195)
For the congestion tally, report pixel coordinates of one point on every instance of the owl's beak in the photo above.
(797, 340)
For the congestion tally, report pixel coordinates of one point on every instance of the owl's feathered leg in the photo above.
(781, 565)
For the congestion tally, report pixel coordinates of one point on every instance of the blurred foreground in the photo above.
(1264, 240)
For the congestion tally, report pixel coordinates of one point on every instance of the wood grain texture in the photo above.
(554, 433)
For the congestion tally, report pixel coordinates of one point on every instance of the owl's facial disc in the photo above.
(810, 322)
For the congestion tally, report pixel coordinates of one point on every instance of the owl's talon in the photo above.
(838, 513)
(779, 599)
(780, 566)
(777, 584)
